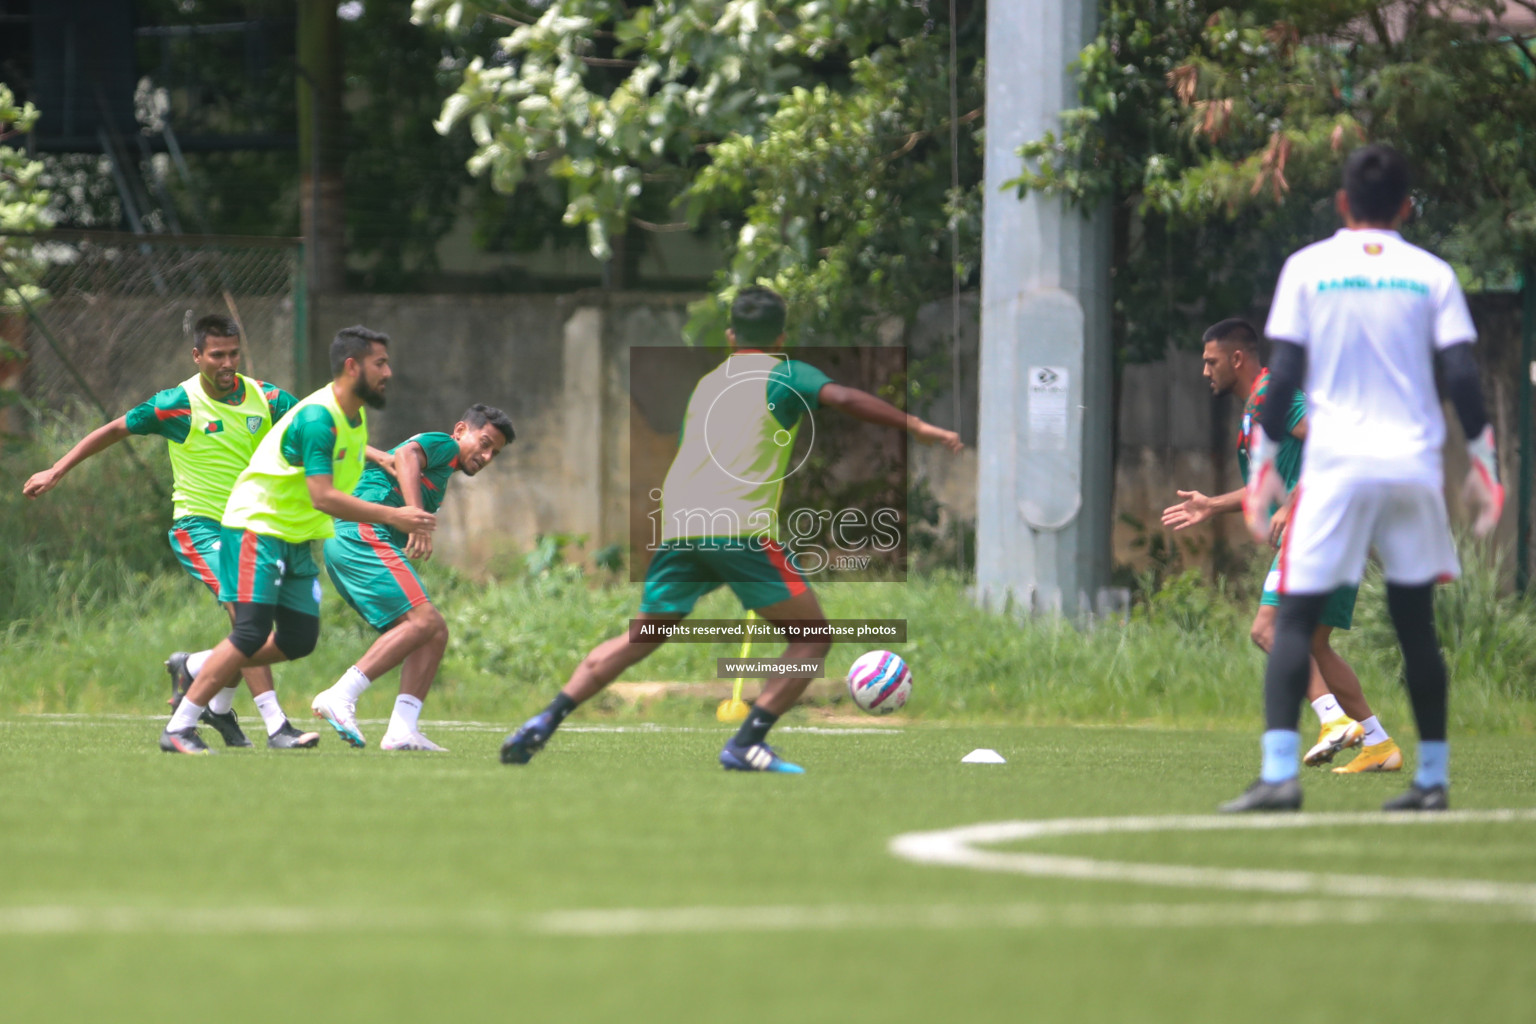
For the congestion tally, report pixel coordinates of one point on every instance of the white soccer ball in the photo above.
(879, 682)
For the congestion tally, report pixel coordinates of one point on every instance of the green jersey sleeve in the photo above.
(168, 414)
(794, 388)
(278, 400)
(309, 439)
(1298, 411)
(441, 450)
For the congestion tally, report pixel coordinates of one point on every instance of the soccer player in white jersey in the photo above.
(1363, 320)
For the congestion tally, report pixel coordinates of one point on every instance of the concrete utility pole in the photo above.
(1043, 496)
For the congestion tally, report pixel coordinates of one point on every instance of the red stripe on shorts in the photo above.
(199, 565)
(394, 563)
(245, 588)
(792, 579)
(1285, 541)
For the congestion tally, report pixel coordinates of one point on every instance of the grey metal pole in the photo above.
(1044, 487)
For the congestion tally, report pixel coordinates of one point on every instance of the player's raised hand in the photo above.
(930, 434)
(419, 546)
(412, 520)
(1193, 510)
(1482, 492)
(41, 482)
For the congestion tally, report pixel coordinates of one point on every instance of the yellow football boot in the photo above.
(1333, 737)
(1378, 757)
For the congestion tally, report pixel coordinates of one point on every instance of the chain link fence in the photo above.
(115, 326)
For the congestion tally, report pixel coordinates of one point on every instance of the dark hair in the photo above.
(216, 324)
(479, 415)
(1375, 183)
(757, 315)
(1233, 331)
(353, 343)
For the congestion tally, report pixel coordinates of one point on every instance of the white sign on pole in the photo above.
(1048, 390)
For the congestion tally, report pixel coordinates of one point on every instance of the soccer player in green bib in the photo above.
(212, 423)
(369, 567)
(1231, 358)
(732, 474)
(301, 475)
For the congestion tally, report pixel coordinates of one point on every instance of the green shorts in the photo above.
(759, 573)
(195, 540)
(372, 575)
(1339, 612)
(257, 569)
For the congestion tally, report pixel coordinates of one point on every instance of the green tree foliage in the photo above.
(23, 206)
(814, 134)
(1217, 133)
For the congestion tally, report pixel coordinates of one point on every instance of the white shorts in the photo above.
(1335, 522)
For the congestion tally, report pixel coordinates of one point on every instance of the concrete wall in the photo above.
(558, 366)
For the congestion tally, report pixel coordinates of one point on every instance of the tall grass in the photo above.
(1182, 660)
(97, 536)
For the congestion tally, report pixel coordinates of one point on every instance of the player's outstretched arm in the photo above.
(326, 498)
(864, 406)
(98, 440)
(1196, 508)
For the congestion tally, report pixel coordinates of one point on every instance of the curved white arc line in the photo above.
(958, 848)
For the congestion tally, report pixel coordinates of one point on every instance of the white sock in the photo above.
(185, 717)
(223, 700)
(352, 684)
(407, 711)
(1327, 708)
(195, 662)
(1374, 733)
(271, 711)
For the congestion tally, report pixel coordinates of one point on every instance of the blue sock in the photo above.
(1281, 747)
(1434, 764)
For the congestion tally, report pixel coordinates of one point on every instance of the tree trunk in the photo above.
(321, 137)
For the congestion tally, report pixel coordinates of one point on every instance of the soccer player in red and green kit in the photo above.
(301, 475)
(371, 572)
(212, 423)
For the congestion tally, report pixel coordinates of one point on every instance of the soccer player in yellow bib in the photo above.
(212, 423)
(733, 474)
(301, 475)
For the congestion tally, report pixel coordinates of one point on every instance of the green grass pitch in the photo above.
(622, 876)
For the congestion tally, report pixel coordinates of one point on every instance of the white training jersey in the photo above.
(1371, 310)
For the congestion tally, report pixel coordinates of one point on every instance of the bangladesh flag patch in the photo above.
(254, 422)
(214, 427)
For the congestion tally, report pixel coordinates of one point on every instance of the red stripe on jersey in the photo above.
(394, 563)
(199, 564)
(245, 589)
(791, 577)
(172, 414)
(1285, 541)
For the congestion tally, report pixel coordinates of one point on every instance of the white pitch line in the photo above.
(704, 920)
(958, 847)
